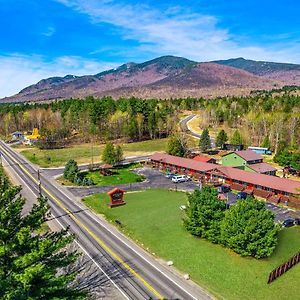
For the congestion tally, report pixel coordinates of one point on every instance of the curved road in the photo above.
(185, 128)
(135, 273)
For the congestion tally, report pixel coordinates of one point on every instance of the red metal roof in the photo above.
(183, 162)
(115, 190)
(273, 182)
(247, 155)
(203, 158)
(105, 166)
(262, 167)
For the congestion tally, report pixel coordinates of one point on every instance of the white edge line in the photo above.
(83, 249)
(95, 218)
(97, 265)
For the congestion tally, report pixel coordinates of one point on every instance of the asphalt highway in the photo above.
(135, 273)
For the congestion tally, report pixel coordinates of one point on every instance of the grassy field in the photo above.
(120, 175)
(219, 270)
(83, 153)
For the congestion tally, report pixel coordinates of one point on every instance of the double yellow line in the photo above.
(90, 232)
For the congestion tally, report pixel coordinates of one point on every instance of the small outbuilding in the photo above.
(260, 150)
(17, 136)
(205, 159)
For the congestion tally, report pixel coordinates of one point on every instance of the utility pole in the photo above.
(40, 184)
(92, 154)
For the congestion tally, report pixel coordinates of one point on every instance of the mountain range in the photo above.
(166, 77)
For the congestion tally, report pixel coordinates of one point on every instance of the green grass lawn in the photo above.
(83, 153)
(153, 218)
(120, 176)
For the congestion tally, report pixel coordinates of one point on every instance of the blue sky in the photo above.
(57, 37)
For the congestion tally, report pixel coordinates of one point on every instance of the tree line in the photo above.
(264, 118)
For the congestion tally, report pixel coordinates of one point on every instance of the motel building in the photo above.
(272, 188)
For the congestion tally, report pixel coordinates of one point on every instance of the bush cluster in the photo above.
(71, 173)
(248, 227)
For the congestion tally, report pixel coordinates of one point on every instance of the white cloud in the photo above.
(18, 71)
(178, 31)
(49, 31)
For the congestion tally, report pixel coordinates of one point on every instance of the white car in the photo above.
(180, 178)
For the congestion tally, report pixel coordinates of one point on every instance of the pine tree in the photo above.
(118, 153)
(204, 214)
(71, 170)
(236, 138)
(30, 260)
(222, 138)
(109, 154)
(204, 142)
(248, 228)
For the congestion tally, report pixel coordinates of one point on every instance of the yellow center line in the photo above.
(90, 232)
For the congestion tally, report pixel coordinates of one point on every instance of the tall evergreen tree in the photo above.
(204, 214)
(118, 153)
(30, 260)
(222, 138)
(204, 142)
(109, 154)
(248, 228)
(236, 138)
(71, 169)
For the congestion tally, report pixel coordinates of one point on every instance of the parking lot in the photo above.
(157, 179)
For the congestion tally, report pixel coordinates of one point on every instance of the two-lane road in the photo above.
(135, 273)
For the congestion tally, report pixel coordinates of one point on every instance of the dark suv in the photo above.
(242, 195)
(297, 221)
(288, 223)
(224, 189)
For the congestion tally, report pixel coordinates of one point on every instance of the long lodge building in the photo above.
(273, 189)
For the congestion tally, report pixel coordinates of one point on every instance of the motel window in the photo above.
(258, 186)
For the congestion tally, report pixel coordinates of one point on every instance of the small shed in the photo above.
(233, 147)
(105, 169)
(260, 150)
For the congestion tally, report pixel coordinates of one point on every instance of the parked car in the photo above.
(224, 189)
(288, 223)
(294, 172)
(180, 178)
(297, 221)
(241, 195)
(170, 175)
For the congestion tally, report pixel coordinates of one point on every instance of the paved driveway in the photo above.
(154, 179)
(281, 213)
(157, 179)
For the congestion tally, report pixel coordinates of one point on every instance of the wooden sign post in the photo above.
(116, 197)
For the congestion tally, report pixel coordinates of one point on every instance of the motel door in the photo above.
(250, 186)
